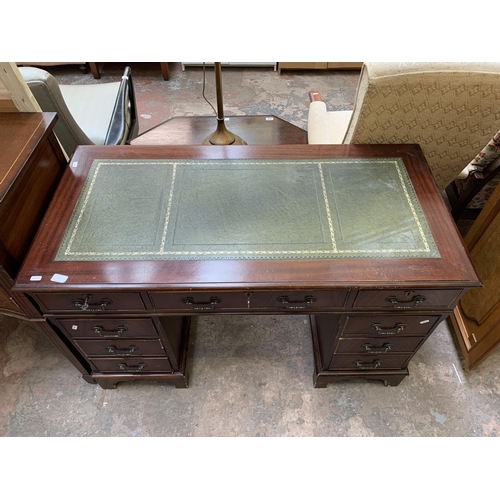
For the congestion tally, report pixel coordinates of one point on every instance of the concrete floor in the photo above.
(249, 375)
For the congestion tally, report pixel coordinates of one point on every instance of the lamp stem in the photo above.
(222, 136)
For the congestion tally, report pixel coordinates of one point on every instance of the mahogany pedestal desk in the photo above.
(138, 239)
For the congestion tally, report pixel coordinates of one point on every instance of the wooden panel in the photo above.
(344, 65)
(302, 65)
(477, 317)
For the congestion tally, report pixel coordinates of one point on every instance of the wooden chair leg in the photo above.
(164, 70)
(95, 70)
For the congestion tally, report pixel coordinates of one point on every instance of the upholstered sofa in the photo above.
(451, 109)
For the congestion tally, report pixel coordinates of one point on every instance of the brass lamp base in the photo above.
(223, 137)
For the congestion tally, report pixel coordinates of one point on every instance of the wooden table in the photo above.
(140, 239)
(193, 130)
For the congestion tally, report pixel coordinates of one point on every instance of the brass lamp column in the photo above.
(222, 136)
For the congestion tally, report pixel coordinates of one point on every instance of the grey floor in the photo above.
(249, 375)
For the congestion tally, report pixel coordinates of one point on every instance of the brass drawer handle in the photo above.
(121, 352)
(377, 350)
(388, 331)
(109, 334)
(411, 304)
(297, 304)
(201, 306)
(131, 369)
(84, 305)
(368, 366)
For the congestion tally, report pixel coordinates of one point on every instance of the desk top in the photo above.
(247, 209)
(233, 216)
(20, 133)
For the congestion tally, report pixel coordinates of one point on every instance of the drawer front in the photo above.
(108, 328)
(297, 300)
(121, 348)
(389, 325)
(91, 303)
(359, 362)
(406, 299)
(132, 365)
(378, 346)
(199, 301)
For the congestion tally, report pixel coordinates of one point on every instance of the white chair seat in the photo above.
(92, 107)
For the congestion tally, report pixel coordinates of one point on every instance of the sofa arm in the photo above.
(318, 129)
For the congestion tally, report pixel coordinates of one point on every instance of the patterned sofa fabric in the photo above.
(451, 109)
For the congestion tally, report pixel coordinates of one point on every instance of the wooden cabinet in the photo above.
(31, 165)
(123, 349)
(477, 316)
(318, 65)
(246, 230)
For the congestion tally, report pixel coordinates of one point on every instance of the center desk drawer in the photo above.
(91, 302)
(409, 299)
(199, 301)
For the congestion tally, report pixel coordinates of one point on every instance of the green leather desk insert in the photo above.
(247, 209)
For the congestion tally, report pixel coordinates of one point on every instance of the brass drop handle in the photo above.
(131, 369)
(201, 306)
(378, 350)
(109, 334)
(368, 366)
(121, 352)
(290, 304)
(84, 305)
(410, 304)
(388, 331)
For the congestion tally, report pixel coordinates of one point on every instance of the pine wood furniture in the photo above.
(477, 316)
(124, 311)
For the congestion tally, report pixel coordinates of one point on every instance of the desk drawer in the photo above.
(406, 299)
(132, 365)
(121, 347)
(108, 328)
(377, 346)
(389, 325)
(199, 301)
(90, 303)
(375, 362)
(298, 299)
